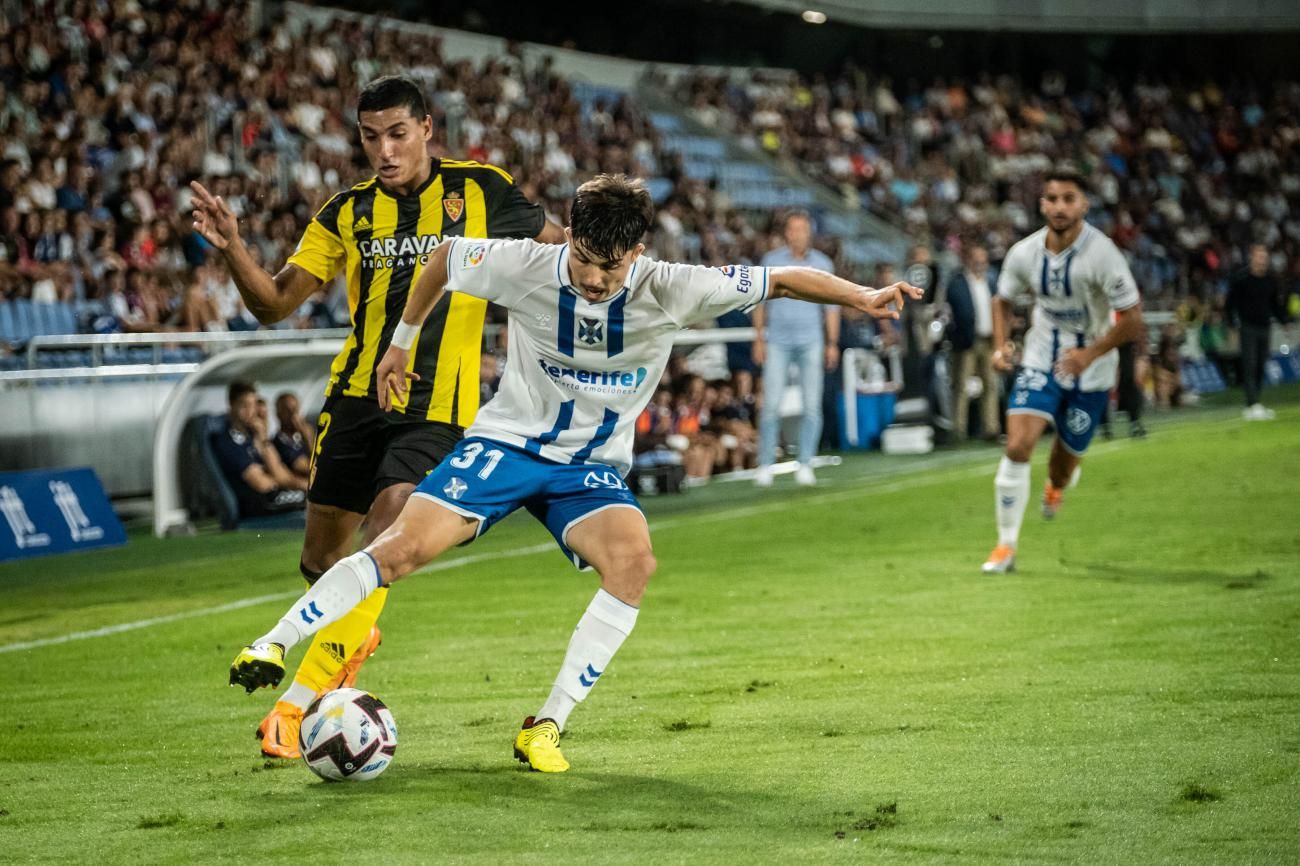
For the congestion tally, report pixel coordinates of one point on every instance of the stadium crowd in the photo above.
(109, 109)
(1184, 178)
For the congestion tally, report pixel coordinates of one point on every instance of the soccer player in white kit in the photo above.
(1076, 279)
(592, 324)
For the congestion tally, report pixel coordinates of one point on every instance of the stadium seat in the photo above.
(8, 323)
(660, 188)
(26, 320)
(204, 488)
(63, 319)
(665, 123)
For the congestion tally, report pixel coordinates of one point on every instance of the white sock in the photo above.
(299, 695)
(339, 590)
(1011, 486)
(599, 634)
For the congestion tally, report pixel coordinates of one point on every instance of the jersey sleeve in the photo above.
(1014, 280)
(1116, 280)
(320, 251)
(694, 293)
(494, 270)
(509, 214)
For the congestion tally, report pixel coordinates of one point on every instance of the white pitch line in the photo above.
(865, 486)
(144, 623)
(247, 602)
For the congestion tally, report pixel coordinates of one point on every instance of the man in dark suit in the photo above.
(970, 332)
(1254, 301)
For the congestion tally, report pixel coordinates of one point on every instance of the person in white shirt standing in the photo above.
(790, 333)
(1076, 278)
(970, 332)
(591, 324)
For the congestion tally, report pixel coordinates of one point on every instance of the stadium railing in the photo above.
(96, 344)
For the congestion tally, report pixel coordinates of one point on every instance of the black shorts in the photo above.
(360, 450)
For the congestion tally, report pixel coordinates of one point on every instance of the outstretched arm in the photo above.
(810, 284)
(392, 374)
(268, 298)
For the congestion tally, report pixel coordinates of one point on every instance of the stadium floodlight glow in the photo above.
(812, 16)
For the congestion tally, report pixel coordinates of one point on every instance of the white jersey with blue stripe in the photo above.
(578, 373)
(1074, 293)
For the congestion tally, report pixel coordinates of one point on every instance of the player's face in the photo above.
(598, 279)
(1259, 260)
(1063, 205)
(395, 143)
(798, 234)
(244, 410)
(286, 409)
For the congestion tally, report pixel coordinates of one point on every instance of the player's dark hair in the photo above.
(393, 91)
(1066, 174)
(238, 389)
(610, 215)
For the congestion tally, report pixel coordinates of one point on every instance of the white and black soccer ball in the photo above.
(348, 735)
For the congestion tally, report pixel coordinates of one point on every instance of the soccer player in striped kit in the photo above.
(1076, 278)
(379, 234)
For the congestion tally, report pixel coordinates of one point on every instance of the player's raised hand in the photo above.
(879, 300)
(391, 377)
(213, 218)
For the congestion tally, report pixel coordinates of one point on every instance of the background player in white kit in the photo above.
(591, 329)
(1076, 278)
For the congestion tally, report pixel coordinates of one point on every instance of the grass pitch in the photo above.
(818, 676)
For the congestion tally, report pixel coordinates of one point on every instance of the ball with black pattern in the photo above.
(348, 735)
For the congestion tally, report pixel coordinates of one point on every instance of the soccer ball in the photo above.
(348, 735)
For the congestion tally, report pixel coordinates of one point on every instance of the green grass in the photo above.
(818, 676)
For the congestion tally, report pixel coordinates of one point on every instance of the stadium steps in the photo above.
(756, 181)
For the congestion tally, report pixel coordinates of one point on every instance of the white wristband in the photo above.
(404, 336)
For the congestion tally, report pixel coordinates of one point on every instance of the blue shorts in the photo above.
(1074, 413)
(487, 480)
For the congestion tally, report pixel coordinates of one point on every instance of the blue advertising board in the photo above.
(55, 511)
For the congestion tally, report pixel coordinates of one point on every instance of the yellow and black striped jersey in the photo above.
(382, 241)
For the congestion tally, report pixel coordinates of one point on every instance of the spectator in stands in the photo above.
(253, 470)
(1254, 302)
(1167, 369)
(970, 332)
(1216, 342)
(795, 333)
(916, 340)
(732, 421)
(294, 437)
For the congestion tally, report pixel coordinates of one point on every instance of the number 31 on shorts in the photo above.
(471, 453)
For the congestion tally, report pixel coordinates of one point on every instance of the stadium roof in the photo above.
(1080, 16)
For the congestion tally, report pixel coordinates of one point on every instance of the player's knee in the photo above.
(1020, 450)
(396, 558)
(633, 569)
(311, 574)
